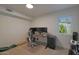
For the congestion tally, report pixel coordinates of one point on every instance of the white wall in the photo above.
(51, 22)
(12, 30)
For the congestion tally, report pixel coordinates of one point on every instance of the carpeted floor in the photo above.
(37, 50)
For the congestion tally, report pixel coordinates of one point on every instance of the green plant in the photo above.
(62, 29)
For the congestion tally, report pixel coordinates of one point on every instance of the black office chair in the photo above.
(51, 42)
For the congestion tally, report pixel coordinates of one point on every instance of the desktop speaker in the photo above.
(75, 36)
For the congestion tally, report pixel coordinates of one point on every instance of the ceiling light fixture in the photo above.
(30, 6)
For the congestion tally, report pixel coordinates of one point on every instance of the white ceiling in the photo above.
(38, 10)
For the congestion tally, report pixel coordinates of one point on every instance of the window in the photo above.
(64, 24)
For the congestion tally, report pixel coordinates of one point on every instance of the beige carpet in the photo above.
(37, 50)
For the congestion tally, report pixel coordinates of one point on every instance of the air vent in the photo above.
(9, 10)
